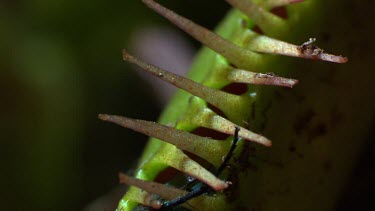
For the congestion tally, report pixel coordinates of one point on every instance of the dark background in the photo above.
(60, 67)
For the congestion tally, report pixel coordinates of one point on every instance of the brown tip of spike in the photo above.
(104, 117)
(126, 55)
(307, 50)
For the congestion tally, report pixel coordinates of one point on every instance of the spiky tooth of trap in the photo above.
(207, 148)
(178, 160)
(269, 4)
(223, 125)
(269, 23)
(141, 197)
(237, 55)
(265, 44)
(244, 76)
(164, 191)
(222, 100)
(199, 114)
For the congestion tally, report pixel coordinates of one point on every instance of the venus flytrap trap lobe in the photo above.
(183, 139)
(248, 52)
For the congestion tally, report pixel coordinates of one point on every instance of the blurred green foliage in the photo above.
(61, 66)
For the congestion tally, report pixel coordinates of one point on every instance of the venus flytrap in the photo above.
(241, 56)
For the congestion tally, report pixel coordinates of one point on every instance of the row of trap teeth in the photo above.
(242, 59)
